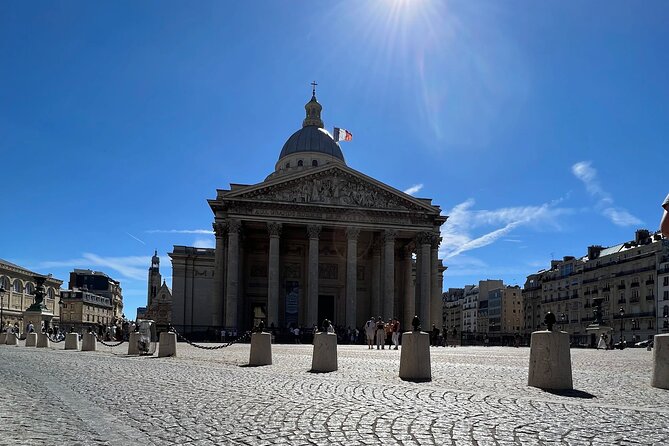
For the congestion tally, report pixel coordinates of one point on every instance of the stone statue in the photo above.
(550, 321)
(416, 323)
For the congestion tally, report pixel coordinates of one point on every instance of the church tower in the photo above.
(155, 279)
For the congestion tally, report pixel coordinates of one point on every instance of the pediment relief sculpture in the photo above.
(333, 188)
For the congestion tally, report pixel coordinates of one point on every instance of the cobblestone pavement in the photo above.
(477, 396)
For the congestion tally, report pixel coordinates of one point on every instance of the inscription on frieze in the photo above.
(328, 271)
(291, 270)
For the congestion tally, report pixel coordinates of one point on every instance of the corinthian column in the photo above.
(232, 276)
(314, 232)
(409, 290)
(436, 304)
(351, 276)
(274, 230)
(388, 273)
(423, 299)
(221, 231)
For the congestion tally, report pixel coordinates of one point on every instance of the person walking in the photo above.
(370, 330)
(396, 332)
(380, 334)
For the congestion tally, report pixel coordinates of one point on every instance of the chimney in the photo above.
(593, 251)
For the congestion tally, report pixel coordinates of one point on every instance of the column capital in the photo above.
(314, 231)
(274, 229)
(435, 240)
(389, 235)
(352, 233)
(424, 238)
(234, 226)
(220, 229)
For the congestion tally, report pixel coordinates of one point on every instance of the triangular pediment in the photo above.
(332, 185)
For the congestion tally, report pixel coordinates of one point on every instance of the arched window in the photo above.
(287, 165)
(30, 288)
(314, 163)
(49, 293)
(18, 286)
(299, 163)
(5, 283)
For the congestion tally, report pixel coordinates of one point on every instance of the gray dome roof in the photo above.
(312, 139)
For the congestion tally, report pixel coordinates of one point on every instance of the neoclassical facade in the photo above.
(316, 239)
(19, 285)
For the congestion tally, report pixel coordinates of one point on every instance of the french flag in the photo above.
(342, 135)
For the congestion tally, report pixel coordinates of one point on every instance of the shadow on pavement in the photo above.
(571, 393)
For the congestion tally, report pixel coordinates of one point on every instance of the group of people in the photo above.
(382, 333)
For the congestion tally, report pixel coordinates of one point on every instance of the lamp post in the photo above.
(622, 325)
(2, 304)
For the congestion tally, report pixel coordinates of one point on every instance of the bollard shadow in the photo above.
(318, 372)
(414, 380)
(253, 365)
(571, 393)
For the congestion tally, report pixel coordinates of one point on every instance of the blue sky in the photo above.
(539, 127)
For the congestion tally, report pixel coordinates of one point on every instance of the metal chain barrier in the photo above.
(106, 344)
(52, 339)
(243, 337)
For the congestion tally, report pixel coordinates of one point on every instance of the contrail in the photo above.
(140, 241)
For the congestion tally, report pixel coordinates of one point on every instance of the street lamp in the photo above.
(2, 304)
(622, 326)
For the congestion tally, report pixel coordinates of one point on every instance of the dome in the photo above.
(312, 139)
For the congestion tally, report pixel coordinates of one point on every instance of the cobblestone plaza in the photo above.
(477, 396)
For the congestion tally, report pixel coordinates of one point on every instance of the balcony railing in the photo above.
(650, 297)
(634, 284)
(621, 287)
(621, 301)
(650, 282)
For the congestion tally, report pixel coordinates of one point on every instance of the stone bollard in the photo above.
(168, 344)
(261, 349)
(415, 357)
(3, 338)
(324, 358)
(11, 339)
(133, 349)
(550, 361)
(72, 341)
(660, 376)
(90, 343)
(43, 341)
(31, 339)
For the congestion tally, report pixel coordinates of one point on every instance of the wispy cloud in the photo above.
(414, 189)
(140, 241)
(179, 231)
(584, 171)
(492, 225)
(203, 243)
(132, 267)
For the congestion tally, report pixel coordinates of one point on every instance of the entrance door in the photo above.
(326, 309)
